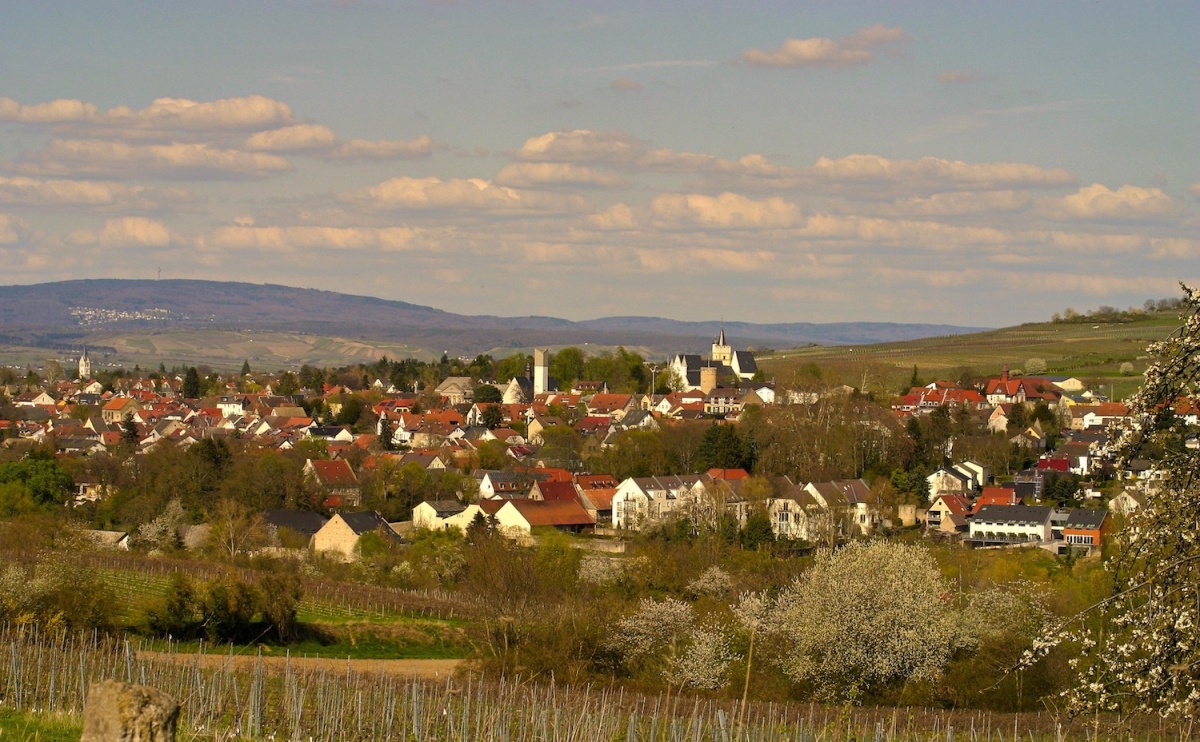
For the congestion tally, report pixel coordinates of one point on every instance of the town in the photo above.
(522, 451)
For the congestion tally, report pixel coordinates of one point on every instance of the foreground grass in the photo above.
(23, 726)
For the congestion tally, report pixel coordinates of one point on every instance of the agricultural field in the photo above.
(45, 679)
(264, 350)
(1089, 350)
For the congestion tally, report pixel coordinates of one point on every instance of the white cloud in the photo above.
(293, 238)
(537, 174)
(11, 229)
(34, 192)
(296, 138)
(961, 203)
(362, 149)
(130, 231)
(615, 217)
(934, 171)
(248, 113)
(581, 145)
(71, 157)
(1097, 201)
(474, 194)
(855, 49)
(727, 211)
(53, 112)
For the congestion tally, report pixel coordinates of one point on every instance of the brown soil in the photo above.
(428, 669)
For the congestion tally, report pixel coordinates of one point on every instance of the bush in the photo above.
(54, 593)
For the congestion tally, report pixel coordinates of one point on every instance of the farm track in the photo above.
(273, 665)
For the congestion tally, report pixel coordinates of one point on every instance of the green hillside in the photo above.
(1093, 351)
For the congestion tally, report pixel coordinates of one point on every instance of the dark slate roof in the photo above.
(302, 521)
(366, 522)
(1089, 519)
(745, 361)
(324, 431)
(446, 508)
(1018, 514)
(1025, 490)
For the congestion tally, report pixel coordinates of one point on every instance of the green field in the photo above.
(1091, 351)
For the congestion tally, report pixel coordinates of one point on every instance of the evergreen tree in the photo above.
(129, 430)
(246, 367)
(191, 383)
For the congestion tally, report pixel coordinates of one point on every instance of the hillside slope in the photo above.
(65, 314)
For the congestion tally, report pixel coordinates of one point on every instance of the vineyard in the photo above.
(48, 676)
(325, 600)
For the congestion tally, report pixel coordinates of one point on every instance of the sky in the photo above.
(967, 163)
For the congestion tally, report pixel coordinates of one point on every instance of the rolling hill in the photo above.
(163, 319)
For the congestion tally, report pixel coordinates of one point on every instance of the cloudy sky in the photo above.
(972, 163)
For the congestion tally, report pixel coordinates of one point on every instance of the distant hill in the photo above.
(64, 314)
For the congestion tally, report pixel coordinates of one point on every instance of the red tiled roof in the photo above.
(557, 491)
(728, 474)
(596, 481)
(334, 473)
(557, 513)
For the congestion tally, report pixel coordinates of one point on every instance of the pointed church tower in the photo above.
(85, 365)
(721, 352)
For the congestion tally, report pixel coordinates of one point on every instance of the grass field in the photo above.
(1091, 351)
(24, 726)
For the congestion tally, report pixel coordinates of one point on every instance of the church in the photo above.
(696, 372)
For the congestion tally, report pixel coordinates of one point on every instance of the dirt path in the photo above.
(428, 669)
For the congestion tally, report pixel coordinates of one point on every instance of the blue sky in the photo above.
(976, 163)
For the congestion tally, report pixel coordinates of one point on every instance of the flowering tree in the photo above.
(664, 637)
(864, 616)
(1140, 648)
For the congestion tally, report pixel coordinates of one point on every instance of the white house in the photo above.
(641, 500)
(797, 516)
(1000, 524)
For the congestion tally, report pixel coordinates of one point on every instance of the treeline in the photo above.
(1106, 313)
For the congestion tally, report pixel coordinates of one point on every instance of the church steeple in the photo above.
(721, 352)
(85, 365)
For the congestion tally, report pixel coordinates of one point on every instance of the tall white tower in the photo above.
(85, 365)
(541, 372)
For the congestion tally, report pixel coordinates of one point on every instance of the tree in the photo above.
(129, 431)
(492, 417)
(1035, 366)
(722, 447)
(487, 393)
(864, 616)
(191, 383)
(1141, 645)
(280, 600)
(567, 366)
(246, 367)
(664, 638)
(235, 528)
